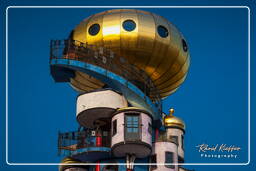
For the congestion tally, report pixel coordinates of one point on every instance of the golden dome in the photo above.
(144, 39)
(173, 121)
(132, 109)
(68, 161)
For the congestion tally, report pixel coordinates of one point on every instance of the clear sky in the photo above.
(213, 101)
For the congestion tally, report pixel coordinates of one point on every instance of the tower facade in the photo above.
(122, 63)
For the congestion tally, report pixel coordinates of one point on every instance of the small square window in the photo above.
(174, 139)
(105, 133)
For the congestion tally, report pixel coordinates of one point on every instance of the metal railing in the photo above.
(107, 59)
(69, 142)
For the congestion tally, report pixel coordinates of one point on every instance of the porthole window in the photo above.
(94, 29)
(184, 45)
(162, 31)
(129, 25)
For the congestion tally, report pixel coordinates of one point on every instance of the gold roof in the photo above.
(129, 108)
(69, 160)
(164, 58)
(173, 121)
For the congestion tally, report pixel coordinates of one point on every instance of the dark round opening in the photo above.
(94, 29)
(129, 25)
(162, 31)
(184, 45)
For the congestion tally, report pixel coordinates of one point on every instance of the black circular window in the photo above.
(94, 29)
(184, 45)
(129, 25)
(162, 31)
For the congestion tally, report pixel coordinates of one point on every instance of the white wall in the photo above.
(119, 136)
(105, 98)
(159, 148)
(179, 133)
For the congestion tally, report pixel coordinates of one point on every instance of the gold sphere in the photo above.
(173, 121)
(171, 111)
(144, 39)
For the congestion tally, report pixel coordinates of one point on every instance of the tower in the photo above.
(122, 63)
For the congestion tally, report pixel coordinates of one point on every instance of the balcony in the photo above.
(105, 66)
(87, 146)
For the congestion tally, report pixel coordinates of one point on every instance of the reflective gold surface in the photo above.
(129, 108)
(163, 59)
(83, 82)
(173, 121)
(68, 160)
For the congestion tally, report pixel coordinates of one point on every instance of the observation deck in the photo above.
(81, 145)
(69, 56)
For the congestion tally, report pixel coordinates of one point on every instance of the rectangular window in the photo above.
(169, 159)
(132, 124)
(132, 127)
(174, 139)
(114, 124)
(153, 160)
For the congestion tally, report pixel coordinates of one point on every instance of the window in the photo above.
(129, 25)
(162, 31)
(94, 29)
(153, 160)
(180, 159)
(184, 45)
(132, 123)
(114, 124)
(132, 128)
(169, 159)
(150, 128)
(174, 139)
(182, 142)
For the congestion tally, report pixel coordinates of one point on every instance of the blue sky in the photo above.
(212, 101)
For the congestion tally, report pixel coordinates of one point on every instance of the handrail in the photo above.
(107, 59)
(72, 141)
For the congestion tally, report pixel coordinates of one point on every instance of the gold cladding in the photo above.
(163, 59)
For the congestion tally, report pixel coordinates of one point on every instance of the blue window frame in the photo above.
(132, 124)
